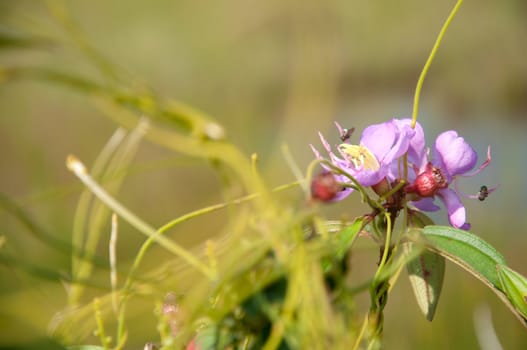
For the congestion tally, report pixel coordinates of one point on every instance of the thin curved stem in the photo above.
(361, 333)
(430, 59)
(386, 244)
(80, 171)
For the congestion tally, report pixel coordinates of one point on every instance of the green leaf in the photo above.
(467, 250)
(515, 286)
(347, 236)
(426, 273)
(85, 347)
(475, 256)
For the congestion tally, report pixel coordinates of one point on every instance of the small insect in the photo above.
(483, 193)
(346, 134)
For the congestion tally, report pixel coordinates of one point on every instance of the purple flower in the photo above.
(452, 157)
(377, 162)
(375, 158)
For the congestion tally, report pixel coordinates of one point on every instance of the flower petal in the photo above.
(325, 143)
(416, 150)
(454, 154)
(379, 138)
(426, 204)
(370, 177)
(315, 151)
(456, 210)
(342, 194)
(400, 147)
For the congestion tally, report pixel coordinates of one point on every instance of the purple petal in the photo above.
(456, 210)
(324, 142)
(395, 171)
(426, 204)
(315, 151)
(342, 194)
(341, 163)
(379, 138)
(317, 154)
(387, 141)
(370, 177)
(454, 155)
(404, 135)
(417, 149)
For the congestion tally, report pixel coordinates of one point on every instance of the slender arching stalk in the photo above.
(428, 63)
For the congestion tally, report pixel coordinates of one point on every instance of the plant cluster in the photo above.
(278, 278)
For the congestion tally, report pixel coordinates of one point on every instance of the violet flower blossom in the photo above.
(372, 160)
(453, 157)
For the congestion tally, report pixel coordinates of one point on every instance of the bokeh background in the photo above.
(271, 72)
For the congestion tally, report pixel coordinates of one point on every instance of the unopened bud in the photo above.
(325, 187)
(428, 182)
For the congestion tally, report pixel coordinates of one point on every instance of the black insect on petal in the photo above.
(346, 134)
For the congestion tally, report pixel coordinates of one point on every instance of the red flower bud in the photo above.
(428, 182)
(325, 187)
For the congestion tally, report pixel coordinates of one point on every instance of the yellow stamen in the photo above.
(360, 156)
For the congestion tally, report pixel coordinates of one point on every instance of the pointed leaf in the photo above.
(347, 236)
(474, 255)
(426, 274)
(467, 250)
(515, 286)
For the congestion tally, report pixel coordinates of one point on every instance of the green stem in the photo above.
(105, 341)
(386, 244)
(81, 265)
(80, 171)
(379, 290)
(392, 191)
(430, 59)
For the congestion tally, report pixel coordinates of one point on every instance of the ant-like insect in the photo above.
(346, 134)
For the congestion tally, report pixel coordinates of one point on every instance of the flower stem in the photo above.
(430, 59)
(379, 290)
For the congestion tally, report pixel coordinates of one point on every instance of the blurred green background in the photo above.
(271, 72)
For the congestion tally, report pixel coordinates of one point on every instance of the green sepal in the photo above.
(515, 287)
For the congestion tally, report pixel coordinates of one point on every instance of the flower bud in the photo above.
(325, 187)
(428, 182)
